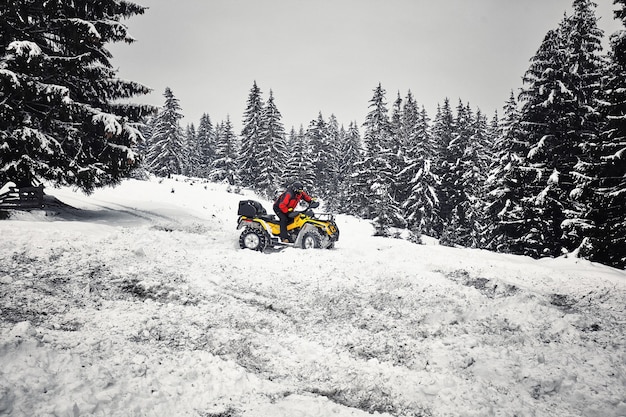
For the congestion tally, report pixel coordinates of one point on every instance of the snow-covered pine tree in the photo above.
(191, 154)
(601, 180)
(166, 155)
(397, 143)
(321, 152)
(207, 144)
(375, 173)
(299, 166)
(146, 131)
(351, 148)
(333, 157)
(251, 135)
(429, 182)
(544, 105)
(587, 66)
(350, 151)
(420, 201)
(224, 166)
(404, 125)
(140, 172)
(271, 150)
(558, 114)
(505, 182)
(442, 134)
(387, 212)
(458, 165)
(479, 157)
(60, 118)
(360, 202)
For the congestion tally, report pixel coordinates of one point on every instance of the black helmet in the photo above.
(297, 187)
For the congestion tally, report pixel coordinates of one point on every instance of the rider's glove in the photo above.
(290, 209)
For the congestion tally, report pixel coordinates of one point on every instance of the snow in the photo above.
(110, 122)
(554, 177)
(142, 304)
(91, 28)
(11, 76)
(46, 142)
(25, 48)
(7, 187)
(536, 149)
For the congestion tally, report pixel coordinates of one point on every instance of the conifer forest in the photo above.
(543, 177)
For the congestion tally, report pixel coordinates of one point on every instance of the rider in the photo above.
(286, 203)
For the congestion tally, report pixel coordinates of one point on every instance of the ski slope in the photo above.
(141, 303)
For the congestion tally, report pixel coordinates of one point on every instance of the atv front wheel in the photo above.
(311, 240)
(253, 239)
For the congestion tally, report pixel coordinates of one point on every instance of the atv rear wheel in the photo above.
(253, 239)
(311, 240)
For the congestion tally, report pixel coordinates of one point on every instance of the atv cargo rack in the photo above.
(251, 208)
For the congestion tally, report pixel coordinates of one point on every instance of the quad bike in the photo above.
(262, 230)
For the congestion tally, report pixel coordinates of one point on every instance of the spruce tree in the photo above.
(299, 166)
(376, 174)
(586, 65)
(406, 130)
(207, 144)
(602, 179)
(478, 159)
(166, 155)
(224, 166)
(146, 132)
(386, 211)
(318, 139)
(191, 155)
(397, 142)
(442, 134)
(428, 179)
(251, 136)
(271, 150)
(558, 114)
(461, 167)
(61, 117)
(333, 158)
(350, 150)
(545, 107)
(505, 183)
(420, 201)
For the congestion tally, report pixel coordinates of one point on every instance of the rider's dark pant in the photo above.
(284, 221)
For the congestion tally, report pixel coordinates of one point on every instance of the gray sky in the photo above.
(329, 55)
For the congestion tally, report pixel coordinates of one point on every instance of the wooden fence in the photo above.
(12, 197)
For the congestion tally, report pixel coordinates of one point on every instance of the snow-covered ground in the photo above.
(142, 304)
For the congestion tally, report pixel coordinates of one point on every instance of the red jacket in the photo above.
(290, 199)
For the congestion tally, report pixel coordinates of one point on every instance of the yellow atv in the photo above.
(262, 230)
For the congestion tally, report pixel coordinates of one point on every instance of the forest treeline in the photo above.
(545, 176)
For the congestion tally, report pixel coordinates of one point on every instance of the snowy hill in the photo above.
(142, 304)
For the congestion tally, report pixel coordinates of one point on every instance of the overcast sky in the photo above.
(328, 55)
